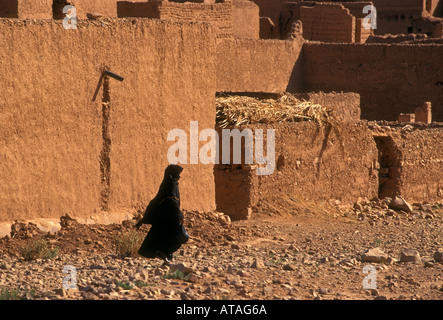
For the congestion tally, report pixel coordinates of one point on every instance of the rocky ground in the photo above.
(317, 252)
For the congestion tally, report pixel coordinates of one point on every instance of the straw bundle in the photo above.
(238, 110)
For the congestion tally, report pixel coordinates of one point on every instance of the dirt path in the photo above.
(303, 256)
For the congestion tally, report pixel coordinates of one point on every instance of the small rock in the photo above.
(182, 268)
(380, 298)
(410, 255)
(375, 255)
(400, 203)
(438, 255)
(94, 15)
(258, 264)
(5, 266)
(323, 291)
(243, 273)
(288, 267)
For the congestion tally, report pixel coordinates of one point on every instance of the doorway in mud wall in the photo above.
(389, 174)
(57, 9)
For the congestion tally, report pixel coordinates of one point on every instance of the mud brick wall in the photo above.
(421, 160)
(62, 151)
(246, 20)
(218, 14)
(26, 9)
(390, 78)
(345, 105)
(307, 167)
(108, 8)
(328, 23)
(258, 65)
(270, 8)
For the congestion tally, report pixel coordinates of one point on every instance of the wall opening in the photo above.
(389, 174)
(57, 9)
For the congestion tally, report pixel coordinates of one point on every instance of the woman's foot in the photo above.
(162, 256)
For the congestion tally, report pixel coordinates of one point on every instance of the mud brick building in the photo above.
(75, 142)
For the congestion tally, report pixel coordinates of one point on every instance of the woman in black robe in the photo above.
(166, 218)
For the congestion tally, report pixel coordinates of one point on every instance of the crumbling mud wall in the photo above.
(53, 9)
(73, 142)
(259, 65)
(345, 106)
(106, 8)
(328, 23)
(308, 166)
(391, 79)
(421, 161)
(237, 18)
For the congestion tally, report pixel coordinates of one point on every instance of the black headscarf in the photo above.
(167, 196)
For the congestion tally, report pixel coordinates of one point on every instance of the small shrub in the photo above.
(6, 294)
(128, 243)
(125, 286)
(177, 274)
(39, 249)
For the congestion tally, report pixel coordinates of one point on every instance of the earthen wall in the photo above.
(308, 166)
(391, 79)
(259, 65)
(74, 143)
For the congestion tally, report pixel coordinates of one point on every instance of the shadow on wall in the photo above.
(295, 83)
(390, 167)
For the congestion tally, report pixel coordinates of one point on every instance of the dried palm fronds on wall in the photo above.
(236, 110)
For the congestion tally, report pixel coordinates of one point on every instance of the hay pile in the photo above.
(238, 110)
(234, 111)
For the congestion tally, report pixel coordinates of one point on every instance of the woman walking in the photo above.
(167, 232)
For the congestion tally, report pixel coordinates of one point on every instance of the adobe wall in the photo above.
(422, 164)
(259, 65)
(246, 19)
(23, 9)
(308, 167)
(108, 8)
(237, 18)
(328, 23)
(391, 79)
(270, 8)
(59, 146)
(411, 164)
(345, 106)
(43, 9)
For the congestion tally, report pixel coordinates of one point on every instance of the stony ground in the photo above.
(314, 253)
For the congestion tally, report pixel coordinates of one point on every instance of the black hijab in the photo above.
(168, 194)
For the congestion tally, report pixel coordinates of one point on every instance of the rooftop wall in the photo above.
(48, 9)
(72, 143)
(328, 23)
(259, 65)
(390, 79)
(237, 18)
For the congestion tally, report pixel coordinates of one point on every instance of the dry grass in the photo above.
(238, 110)
(38, 249)
(128, 243)
(234, 111)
